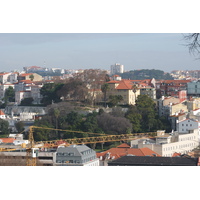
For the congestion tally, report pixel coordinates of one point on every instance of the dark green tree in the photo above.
(4, 127)
(27, 101)
(135, 118)
(31, 77)
(19, 126)
(9, 95)
(114, 100)
(50, 93)
(105, 88)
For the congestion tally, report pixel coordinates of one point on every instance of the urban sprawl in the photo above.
(95, 117)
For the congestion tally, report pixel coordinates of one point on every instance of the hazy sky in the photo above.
(162, 51)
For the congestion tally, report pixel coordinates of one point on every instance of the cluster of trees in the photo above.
(5, 130)
(141, 117)
(146, 74)
(82, 87)
(9, 96)
(144, 116)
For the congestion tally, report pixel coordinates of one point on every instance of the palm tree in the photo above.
(135, 88)
(31, 77)
(104, 88)
(56, 114)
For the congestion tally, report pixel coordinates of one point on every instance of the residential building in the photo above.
(155, 161)
(12, 78)
(175, 118)
(27, 89)
(35, 94)
(167, 144)
(149, 91)
(34, 69)
(125, 89)
(116, 68)
(75, 155)
(3, 88)
(193, 88)
(2, 115)
(188, 125)
(193, 103)
(4, 77)
(28, 76)
(20, 95)
(123, 150)
(171, 87)
(168, 106)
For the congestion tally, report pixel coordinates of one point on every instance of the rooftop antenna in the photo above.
(44, 64)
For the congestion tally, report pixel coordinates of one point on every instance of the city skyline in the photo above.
(163, 51)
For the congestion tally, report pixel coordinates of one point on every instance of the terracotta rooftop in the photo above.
(119, 152)
(123, 145)
(1, 112)
(26, 74)
(124, 85)
(113, 81)
(7, 140)
(1, 74)
(26, 81)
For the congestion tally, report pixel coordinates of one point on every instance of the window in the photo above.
(182, 124)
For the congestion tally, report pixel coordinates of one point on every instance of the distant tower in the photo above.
(116, 68)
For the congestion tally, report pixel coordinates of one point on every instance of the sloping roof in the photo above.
(113, 81)
(1, 112)
(7, 140)
(123, 145)
(26, 81)
(119, 152)
(176, 154)
(26, 74)
(125, 85)
(153, 161)
(1, 74)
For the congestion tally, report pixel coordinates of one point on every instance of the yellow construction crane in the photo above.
(33, 147)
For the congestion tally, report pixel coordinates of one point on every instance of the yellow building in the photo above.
(30, 76)
(126, 89)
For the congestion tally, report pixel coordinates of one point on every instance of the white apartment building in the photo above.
(4, 77)
(35, 94)
(167, 144)
(25, 89)
(193, 88)
(21, 95)
(116, 68)
(187, 125)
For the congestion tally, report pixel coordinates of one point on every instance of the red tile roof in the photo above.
(1, 112)
(115, 75)
(1, 74)
(123, 145)
(119, 152)
(176, 154)
(113, 81)
(125, 85)
(26, 74)
(26, 81)
(7, 140)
